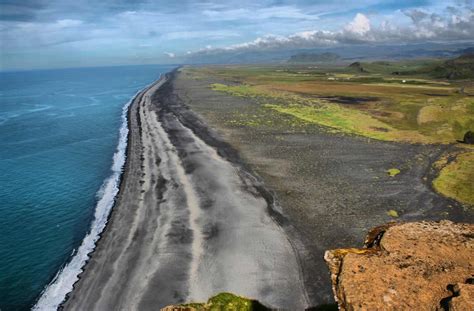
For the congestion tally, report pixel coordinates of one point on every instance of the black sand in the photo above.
(331, 187)
(248, 209)
(187, 224)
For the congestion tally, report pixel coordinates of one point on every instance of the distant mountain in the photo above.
(314, 58)
(469, 50)
(461, 67)
(349, 54)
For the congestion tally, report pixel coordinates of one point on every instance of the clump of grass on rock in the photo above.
(221, 302)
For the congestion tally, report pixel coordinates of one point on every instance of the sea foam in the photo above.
(62, 284)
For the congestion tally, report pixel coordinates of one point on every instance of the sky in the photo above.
(77, 33)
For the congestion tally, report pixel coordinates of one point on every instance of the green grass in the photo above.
(411, 107)
(421, 110)
(455, 179)
(337, 117)
(393, 172)
(238, 90)
(228, 302)
(392, 213)
(322, 112)
(404, 67)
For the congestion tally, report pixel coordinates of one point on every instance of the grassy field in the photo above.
(378, 100)
(456, 178)
(374, 104)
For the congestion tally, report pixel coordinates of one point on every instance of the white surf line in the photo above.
(62, 284)
(140, 214)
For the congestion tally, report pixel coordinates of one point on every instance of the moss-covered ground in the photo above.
(384, 108)
(374, 103)
(228, 302)
(456, 178)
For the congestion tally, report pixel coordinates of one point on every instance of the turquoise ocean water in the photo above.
(62, 141)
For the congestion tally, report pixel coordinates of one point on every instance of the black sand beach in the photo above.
(332, 188)
(187, 224)
(205, 207)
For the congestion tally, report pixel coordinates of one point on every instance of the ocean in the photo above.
(62, 145)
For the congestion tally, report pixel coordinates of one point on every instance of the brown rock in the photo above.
(405, 266)
(469, 137)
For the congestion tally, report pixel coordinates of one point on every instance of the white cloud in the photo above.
(416, 15)
(360, 25)
(115, 33)
(279, 12)
(66, 23)
(170, 55)
(34, 34)
(203, 34)
(452, 24)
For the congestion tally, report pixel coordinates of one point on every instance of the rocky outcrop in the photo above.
(407, 266)
(357, 66)
(469, 137)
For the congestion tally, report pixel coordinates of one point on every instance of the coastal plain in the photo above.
(335, 178)
(239, 178)
(188, 222)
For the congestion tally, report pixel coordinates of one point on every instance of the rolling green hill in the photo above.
(458, 68)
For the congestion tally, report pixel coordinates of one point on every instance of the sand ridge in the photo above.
(187, 224)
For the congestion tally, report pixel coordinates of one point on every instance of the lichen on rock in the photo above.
(406, 266)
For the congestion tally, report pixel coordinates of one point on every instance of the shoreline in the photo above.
(47, 300)
(123, 177)
(151, 253)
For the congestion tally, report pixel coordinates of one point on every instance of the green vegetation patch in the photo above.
(455, 180)
(393, 172)
(237, 90)
(345, 120)
(392, 213)
(228, 302)
(418, 109)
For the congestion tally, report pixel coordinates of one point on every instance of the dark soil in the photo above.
(348, 100)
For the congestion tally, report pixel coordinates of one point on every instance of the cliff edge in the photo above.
(407, 266)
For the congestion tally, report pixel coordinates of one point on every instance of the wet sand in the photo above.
(188, 222)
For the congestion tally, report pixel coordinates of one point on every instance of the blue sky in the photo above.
(75, 33)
